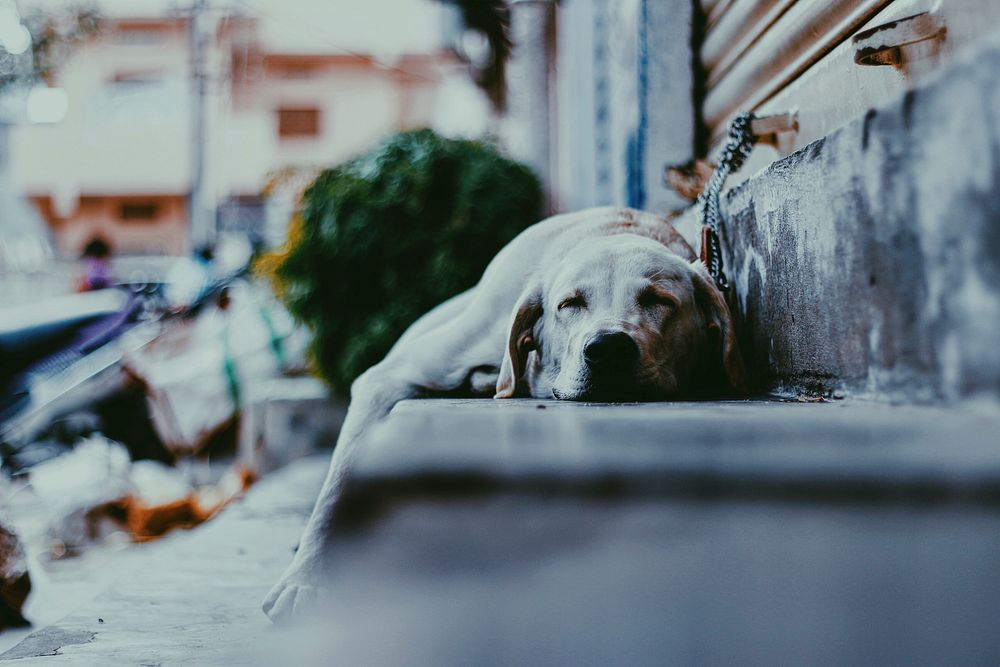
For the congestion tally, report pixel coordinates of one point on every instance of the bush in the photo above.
(383, 238)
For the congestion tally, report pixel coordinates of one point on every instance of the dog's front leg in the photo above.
(372, 397)
(436, 354)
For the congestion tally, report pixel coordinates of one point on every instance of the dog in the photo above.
(607, 304)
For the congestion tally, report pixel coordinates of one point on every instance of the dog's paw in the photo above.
(291, 599)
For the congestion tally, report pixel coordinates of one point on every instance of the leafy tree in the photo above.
(383, 238)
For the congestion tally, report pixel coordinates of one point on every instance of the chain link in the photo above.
(737, 149)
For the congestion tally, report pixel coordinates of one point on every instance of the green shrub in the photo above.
(383, 238)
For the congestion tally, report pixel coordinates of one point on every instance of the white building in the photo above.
(289, 84)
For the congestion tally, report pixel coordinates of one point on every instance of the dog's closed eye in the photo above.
(575, 301)
(653, 297)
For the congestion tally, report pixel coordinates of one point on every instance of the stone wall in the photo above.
(869, 261)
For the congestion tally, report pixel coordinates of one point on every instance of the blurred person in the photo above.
(96, 258)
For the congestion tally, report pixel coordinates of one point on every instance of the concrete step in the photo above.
(536, 532)
(752, 533)
(516, 579)
(844, 447)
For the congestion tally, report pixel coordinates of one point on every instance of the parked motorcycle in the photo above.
(60, 371)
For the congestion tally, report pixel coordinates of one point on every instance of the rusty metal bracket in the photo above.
(886, 44)
(766, 129)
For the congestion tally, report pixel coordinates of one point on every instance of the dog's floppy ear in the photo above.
(520, 342)
(720, 323)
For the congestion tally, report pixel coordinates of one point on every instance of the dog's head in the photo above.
(620, 319)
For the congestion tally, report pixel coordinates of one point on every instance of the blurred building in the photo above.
(290, 84)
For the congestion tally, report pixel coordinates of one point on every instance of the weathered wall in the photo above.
(624, 105)
(525, 127)
(870, 261)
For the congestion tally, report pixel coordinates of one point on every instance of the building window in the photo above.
(295, 72)
(141, 34)
(139, 211)
(298, 123)
(134, 78)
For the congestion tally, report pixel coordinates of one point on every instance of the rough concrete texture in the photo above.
(564, 534)
(870, 261)
(841, 447)
(537, 532)
(504, 579)
(192, 598)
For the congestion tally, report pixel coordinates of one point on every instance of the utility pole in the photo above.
(526, 129)
(201, 207)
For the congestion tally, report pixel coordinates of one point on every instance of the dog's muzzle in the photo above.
(611, 359)
(611, 353)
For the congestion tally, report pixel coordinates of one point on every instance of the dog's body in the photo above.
(605, 304)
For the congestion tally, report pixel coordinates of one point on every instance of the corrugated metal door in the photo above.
(825, 62)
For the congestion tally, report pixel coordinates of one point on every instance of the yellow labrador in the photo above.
(606, 304)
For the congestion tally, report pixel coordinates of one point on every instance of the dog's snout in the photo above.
(611, 350)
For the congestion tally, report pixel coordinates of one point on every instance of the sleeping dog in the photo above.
(607, 304)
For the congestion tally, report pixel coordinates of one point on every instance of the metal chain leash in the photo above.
(737, 149)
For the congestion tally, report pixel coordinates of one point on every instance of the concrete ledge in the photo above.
(522, 568)
(845, 448)
(510, 579)
(869, 261)
(539, 532)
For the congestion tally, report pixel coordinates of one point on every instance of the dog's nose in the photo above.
(611, 350)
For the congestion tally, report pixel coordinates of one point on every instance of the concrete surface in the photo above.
(192, 598)
(753, 533)
(769, 447)
(539, 532)
(869, 261)
(506, 579)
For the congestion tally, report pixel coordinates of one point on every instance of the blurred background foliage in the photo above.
(382, 239)
(55, 33)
